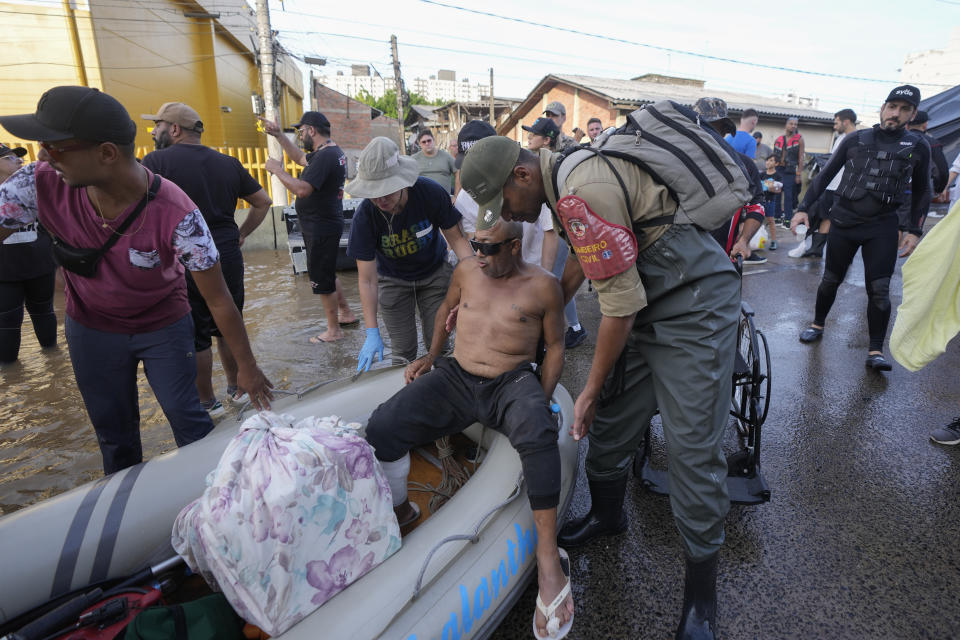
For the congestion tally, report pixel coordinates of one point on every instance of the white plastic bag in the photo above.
(291, 516)
(760, 239)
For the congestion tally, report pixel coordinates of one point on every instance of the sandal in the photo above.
(413, 518)
(554, 630)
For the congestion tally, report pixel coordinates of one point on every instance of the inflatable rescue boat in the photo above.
(456, 575)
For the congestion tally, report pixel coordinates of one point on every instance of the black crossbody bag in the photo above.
(83, 261)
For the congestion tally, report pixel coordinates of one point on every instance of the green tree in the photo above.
(388, 102)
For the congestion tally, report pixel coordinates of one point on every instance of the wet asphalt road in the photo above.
(860, 537)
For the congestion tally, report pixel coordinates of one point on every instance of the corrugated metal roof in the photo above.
(639, 92)
(425, 110)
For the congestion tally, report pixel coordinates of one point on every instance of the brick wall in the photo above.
(580, 106)
(350, 123)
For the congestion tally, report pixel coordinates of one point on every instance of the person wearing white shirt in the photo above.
(844, 122)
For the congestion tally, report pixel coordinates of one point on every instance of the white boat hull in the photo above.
(118, 525)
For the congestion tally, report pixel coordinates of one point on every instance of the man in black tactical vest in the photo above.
(878, 166)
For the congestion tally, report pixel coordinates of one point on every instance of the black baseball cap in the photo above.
(921, 117)
(468, 136)
(907, 93)
(74, 112)
(15, 151)
(544, 127)
(312, 119)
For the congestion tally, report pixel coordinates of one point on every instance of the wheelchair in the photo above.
(749, 404)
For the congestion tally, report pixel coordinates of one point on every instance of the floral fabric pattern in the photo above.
(193, 243)
(292, 515)
(18, 198)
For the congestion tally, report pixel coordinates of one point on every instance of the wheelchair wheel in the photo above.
(743, 376)
(762, 377)
(751, 379)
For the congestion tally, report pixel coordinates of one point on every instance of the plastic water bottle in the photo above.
(801, 230)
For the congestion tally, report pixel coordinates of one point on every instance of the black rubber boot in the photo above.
(606, 517)
(816, 246)
(698, 620)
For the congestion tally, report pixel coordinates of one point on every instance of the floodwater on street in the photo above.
(47, 445)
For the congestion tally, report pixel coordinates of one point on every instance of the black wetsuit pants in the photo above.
(36, 294)
(877, 242)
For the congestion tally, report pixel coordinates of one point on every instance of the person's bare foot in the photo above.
(551, 580)
(330, 335)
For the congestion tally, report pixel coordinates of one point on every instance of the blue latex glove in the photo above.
(372, 347)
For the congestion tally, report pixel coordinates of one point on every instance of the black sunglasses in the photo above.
(489, 248)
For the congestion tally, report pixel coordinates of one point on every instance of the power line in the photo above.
(159, 66)
(654, 47)
(733, 84)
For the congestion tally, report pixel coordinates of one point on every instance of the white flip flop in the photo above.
(554, 630)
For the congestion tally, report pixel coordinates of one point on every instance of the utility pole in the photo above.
(493, 118)
(274, 150)
(399, 88)
(75, 43)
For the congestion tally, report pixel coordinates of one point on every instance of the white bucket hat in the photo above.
(382, 170)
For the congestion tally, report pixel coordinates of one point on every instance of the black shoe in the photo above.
(877, 362)
(755, 258)
(606, 517)
(816, 246)
(811, 334)
(698, 618)
(574, 338)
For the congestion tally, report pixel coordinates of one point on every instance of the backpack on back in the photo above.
(700, 170)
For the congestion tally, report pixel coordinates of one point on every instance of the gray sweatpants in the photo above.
(569, 311)
(678, 358)
(399, 301)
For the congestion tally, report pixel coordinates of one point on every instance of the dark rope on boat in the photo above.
(473, 538)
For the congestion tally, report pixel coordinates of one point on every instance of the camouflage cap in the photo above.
(556, 107)
(711, 109)
(484, 172)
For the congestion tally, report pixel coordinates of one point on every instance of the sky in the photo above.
(524, 41)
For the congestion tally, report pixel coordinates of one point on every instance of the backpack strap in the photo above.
(601, 155)
(147, 197)
(638, 226)
(118, 232)
(555, 174)
(180, 631)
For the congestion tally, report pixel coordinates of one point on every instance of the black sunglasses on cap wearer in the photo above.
(489, 248)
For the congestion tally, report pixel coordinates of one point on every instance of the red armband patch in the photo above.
(604, 249)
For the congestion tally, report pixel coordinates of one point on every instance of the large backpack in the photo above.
(699, 169)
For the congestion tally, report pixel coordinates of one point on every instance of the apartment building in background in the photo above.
(443, 86)
(935, 70)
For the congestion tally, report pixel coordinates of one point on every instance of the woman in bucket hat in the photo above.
(396, 241)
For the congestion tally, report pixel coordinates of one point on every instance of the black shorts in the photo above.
(321, 250)
(447, 400)
(204, 328)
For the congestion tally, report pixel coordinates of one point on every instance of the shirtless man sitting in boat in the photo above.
(505, 305)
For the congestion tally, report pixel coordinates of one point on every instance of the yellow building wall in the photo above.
(145, 54)
(40, 54)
